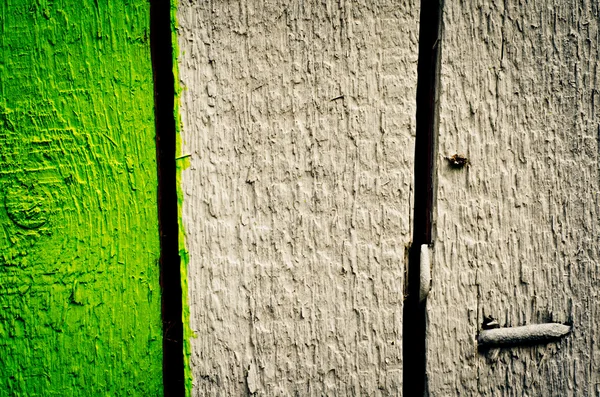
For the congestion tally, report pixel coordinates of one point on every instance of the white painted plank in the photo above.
(517, 229)
(299, 117)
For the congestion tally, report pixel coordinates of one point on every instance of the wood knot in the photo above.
(28, 206)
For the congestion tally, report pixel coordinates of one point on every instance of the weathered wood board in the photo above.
(299, 120)
(517, 229)
(79, 243)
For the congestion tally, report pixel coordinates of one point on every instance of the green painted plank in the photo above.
(79, 247)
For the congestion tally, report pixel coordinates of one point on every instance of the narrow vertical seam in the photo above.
(166, 144)
(428, 77)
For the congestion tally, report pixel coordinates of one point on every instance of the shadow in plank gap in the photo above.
(170, 274)
(414, 323)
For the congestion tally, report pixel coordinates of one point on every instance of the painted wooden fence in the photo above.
(517, 229)
(300, 171)
(299, 118)
(299, 122)
(79, 243)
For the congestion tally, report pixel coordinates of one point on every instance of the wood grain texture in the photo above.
(517, 228)
(299, 119)
(79, 243)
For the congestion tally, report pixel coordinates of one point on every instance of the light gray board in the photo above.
(299, 117)
(517, 230)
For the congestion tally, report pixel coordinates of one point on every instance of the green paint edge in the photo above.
(182, 162)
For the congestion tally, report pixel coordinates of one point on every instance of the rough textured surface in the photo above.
(517, 228)
(79, 292)
(299, 119)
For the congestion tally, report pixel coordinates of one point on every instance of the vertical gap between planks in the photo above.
(414, 317)
(170, 273)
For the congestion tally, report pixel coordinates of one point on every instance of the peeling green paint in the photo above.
(182, 162)
(79, 247)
